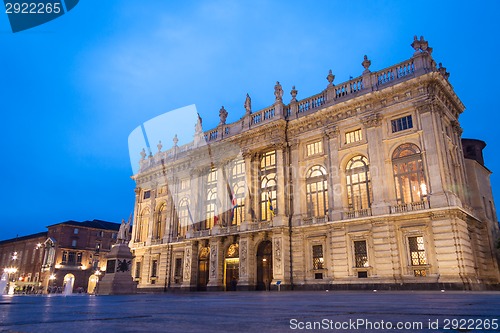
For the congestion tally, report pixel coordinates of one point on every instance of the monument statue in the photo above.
(278, 92)
(248, 104)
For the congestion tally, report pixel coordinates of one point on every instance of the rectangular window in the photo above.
(79, 258)
(417, 251)
(401, 124)
(353, 136)
(268, 188)
(137, 270)
(64, 258)
(147, 194)
(317, 252)
(314, 148)
(178, 270)
(100, 234)
(73, 243)
(97, 247)
(75, 231)
(114, 235)
(71, 258)
(360, 254)
(154, 268)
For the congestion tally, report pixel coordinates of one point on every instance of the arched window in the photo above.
(409, 177)
(183, 218)
(211, 199)
(359, 189)
(238, 193)
(268, 186)
(141, 233)
(316, 191)
(159, 228)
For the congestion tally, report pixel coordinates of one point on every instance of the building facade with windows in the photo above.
(69, 251)
(22, 258)
(367, 183)
(75, 251)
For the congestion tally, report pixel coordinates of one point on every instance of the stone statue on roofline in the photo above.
(248, 105)
(222, 115)
(278, 92)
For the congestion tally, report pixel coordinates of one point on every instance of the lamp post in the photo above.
(52, 277)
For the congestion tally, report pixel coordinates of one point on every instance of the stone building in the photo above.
(74, 251)
(22, 258)
(68, 250)
(362, 185)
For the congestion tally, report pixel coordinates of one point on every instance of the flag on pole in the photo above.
(270, 204)
(234, 203)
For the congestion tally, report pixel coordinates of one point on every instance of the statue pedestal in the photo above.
(118, 279)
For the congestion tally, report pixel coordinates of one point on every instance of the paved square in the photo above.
(253, 312)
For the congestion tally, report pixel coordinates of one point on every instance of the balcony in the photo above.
(409, 207)
(358, 213)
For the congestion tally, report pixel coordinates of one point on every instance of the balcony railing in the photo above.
(354, 214)
(409, 207)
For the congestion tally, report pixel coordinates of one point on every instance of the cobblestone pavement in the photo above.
(254, 312)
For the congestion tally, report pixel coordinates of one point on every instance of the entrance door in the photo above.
(203, 266)
(232, 267)
(264, 265)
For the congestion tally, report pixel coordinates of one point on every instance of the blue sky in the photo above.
(73, 89)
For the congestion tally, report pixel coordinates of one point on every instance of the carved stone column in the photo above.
(376, 159)
(216, 273)
(281, 258)
(295, 182)
(249, 191)
(256, 186)
(152, 210)
(432, 157)
(135, 221)
(244, 273)
(280, 208)
(335, 190)
(196, 187)
(189, 269)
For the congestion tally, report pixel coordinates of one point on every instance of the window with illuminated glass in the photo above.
(409, 177)
(318, 260)
(160, 222)
(314, 148)
(268, 187)
(417, 255)
(353, 136)
(210, 198)
(359, 189)
(360, 254)
(316, 191)
(183, 218)
(142, 227)
(237, 196)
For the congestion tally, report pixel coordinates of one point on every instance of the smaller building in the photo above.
(70, 251)
(22, 258)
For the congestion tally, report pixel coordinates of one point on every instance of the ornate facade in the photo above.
(364, 184)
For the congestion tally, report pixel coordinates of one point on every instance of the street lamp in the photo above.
(52, 277)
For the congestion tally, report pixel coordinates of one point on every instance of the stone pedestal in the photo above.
(118, 278)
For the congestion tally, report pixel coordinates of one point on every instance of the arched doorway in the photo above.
(232, 267)
(203, 268)
(69, 282)
(264, 265)
(93, 280)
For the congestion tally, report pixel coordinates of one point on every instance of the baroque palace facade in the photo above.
(362, 185)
